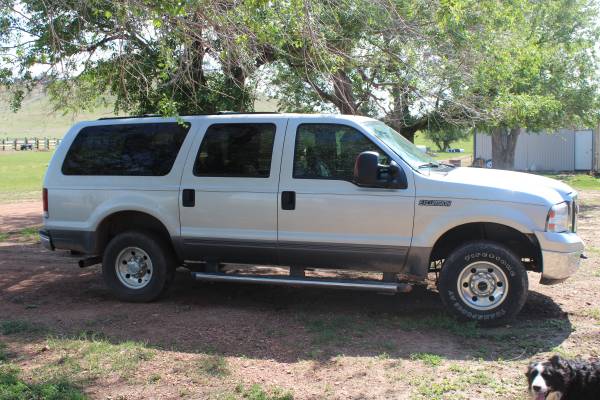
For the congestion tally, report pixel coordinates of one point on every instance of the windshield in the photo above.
(400, 145)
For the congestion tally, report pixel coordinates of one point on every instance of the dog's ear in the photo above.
(530, 367)
(558, 362)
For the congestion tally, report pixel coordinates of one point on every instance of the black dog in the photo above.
(560, 379)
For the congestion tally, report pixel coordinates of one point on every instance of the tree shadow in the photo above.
(285, 324)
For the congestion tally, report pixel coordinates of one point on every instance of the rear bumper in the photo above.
(46, 240)
(561, 255)
(81, 241)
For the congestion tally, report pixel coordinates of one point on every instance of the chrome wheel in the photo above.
(134, 268)
(482, 285)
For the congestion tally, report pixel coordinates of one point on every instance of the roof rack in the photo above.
(192, 115)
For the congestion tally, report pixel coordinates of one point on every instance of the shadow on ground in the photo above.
(47, 290)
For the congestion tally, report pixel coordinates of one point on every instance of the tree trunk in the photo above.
(504, 143)
(342, 87)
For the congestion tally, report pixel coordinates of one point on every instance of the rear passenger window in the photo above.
(236, 150)
(125, 150)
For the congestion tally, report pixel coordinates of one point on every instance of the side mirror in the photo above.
(368, 172)
(366, 169)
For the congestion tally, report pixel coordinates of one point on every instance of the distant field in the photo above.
(579, 181)
(37, 119)
(466, 144)
(21, 174)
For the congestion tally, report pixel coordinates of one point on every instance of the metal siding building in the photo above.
(564, 150)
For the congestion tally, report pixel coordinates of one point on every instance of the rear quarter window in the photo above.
(125, 150)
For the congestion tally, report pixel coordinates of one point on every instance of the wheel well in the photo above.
(128, 220)
(525, 246)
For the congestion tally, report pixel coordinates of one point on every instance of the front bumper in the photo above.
(561, 255)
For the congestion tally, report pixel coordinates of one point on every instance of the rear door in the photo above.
(325, 220)
(228, 198)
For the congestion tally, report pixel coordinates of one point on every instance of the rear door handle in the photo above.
(188, 198)
(288, 200)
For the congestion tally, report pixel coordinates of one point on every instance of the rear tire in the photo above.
(485, 282)
(138, 266)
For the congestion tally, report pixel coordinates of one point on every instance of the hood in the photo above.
(495, 184)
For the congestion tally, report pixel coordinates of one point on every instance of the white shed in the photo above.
(564, 150)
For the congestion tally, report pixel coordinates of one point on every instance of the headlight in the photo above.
(558, 218)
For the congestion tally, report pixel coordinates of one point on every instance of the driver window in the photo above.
(328, 151)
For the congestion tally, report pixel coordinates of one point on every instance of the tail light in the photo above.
(45, 201)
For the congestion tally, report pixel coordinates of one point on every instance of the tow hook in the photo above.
(583, 256)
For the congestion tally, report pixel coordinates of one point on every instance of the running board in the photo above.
(387, 287)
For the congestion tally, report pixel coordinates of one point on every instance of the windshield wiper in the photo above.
(429, 165)
(436, 165)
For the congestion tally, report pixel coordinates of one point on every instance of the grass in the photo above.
(30, 233)
(439, 321)
(333, 329)
(22, 174)
(14, 388)
(593, 313)
(91, 356)
(460, 380)
(3, 352)
(257, 392)
(431, 360)
(37, 119)
(466, 144)
(15, 327)
(213, 365)
(579, 181)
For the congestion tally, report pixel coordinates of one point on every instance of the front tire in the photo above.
(483, 281)
(138, 266)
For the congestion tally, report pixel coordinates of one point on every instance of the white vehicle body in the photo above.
(334, 224)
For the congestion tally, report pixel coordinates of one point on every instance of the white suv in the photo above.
(146, 195)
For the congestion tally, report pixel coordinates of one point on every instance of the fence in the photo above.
(28, 144)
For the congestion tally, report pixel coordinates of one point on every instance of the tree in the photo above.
(444, 136)
(542, 72)
(145, 57)
(398, 61)
(499, 66)
(402, 62)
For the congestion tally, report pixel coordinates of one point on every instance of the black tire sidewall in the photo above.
(162, 265)
(499, 256)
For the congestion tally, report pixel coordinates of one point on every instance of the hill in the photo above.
(36, 118)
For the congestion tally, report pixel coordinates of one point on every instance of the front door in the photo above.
(228, 196)
(325, 220)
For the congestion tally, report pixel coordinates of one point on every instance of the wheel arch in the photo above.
(125, 220)
(524, 245)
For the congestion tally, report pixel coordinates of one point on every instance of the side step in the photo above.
(387, 287)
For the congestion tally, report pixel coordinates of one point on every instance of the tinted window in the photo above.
(236, 150)
(132, 149)
(328, 151)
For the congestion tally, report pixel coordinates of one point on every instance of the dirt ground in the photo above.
(228, 341)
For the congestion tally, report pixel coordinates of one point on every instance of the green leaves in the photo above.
(413, 63)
